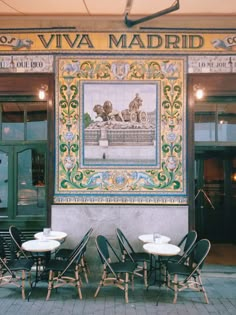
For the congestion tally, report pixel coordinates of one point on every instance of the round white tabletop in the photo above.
(148, 238)
(161, 249)
(40, 246)
(53, 235)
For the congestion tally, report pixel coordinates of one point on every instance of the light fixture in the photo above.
(43, 91)
(42, 94)
(234, 177)
(199, 92)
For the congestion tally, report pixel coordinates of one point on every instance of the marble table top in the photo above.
(149, 238)
(40, 246)
(164, 249)
(52, 235)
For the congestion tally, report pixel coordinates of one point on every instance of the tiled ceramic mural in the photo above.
(120, 133)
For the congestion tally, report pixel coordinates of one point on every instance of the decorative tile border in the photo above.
(120, 174)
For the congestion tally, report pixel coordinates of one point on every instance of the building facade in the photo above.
(114, 142)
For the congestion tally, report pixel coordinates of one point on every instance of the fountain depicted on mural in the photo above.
(125, 135)
(133, 113)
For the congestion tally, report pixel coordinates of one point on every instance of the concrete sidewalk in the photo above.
(219, 281)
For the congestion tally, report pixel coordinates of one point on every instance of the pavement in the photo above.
(219, 282)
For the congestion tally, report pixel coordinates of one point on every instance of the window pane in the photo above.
(3, 183)
(204, 127)
(31, 186)
(12, 121)
(205, 122)
(37, 121)
(227, 122)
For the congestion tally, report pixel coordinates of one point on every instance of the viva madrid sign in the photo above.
(118, 41)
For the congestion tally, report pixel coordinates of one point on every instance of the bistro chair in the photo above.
(186, 245)
(187, 273)
(67, 272)
(114, 273)
(65, 253)
(14, 271)
(18, 238)
(142, 259)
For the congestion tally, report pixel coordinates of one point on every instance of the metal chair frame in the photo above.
(67, 272)
(188, 241)
(189, 270)
(17, 240)
(14, 271)
(65, 253)
(128, 253)
(115, 269)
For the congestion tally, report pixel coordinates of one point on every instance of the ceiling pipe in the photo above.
(174, 7)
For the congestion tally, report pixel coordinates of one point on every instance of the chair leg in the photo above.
(50, 284)
(86, 265)
(78, 283)
(175, 288)
(29, 278)
(203, 289)
(126, 287)
(168, 279)
(23, 284)
(84, 269)
(145, 274)
(100, 283)
(132, 281)
(163, 271)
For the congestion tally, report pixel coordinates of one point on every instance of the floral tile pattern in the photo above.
(120, 174)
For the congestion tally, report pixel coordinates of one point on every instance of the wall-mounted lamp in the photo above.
(199, 92)
(234, 177)
(43, 92)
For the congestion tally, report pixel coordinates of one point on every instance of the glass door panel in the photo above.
(3, 183)
(227, 122)
(215, 195)
(31, 197)
(23, 120)
(214, 205)
(215, 122)
(204, 127)
(36, 126)
(12, 121)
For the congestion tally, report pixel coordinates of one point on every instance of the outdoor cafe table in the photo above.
(154, 238)
(149, 238)
(40, 246)
(51, 235)
(164, 249)
(161, 250)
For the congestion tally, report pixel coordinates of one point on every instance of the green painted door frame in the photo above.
(25, 198)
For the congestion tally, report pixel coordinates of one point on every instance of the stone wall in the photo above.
(133, 220)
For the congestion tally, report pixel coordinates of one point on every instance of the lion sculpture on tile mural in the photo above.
(131, 114)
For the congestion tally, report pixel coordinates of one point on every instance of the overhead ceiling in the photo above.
(113, 7)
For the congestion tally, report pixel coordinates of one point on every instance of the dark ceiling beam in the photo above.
(174, 7)
(128, 7)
